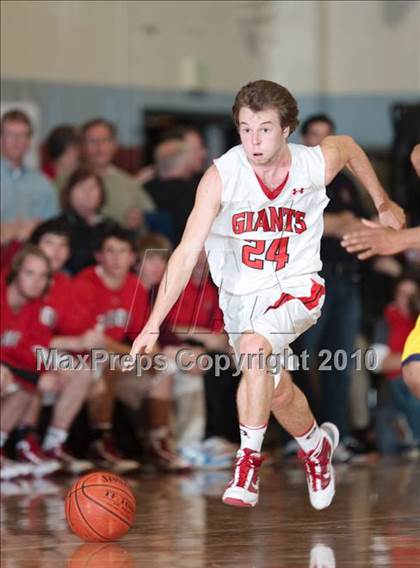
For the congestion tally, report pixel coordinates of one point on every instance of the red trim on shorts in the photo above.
(272, 194)
(310, 302)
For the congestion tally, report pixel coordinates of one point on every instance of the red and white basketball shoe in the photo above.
(242, 490)
(318, 467)
(29, 452)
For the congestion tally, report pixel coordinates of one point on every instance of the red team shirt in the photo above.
(123, 312)
(21, 333)
(59, 303)
(399, 328)
(198, 306)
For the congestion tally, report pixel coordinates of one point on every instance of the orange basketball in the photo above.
(100, 507)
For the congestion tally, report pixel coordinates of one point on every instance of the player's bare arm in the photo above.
(415, 158)
(184, 257)
(378, 240)
(342, 151)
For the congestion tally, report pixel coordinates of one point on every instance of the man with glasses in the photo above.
(126, 200)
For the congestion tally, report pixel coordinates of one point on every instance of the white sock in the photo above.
(311, 439)
(252, 436)
(3, 438)
(53, 438)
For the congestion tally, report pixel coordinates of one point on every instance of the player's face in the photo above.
(262, 136)
(32, 278)
(15, 140)
(116, 258)
(85, 197)
(316, 133)
(56, 248)
(99, 146)
(152, 269)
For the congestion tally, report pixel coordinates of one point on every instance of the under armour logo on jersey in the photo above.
(296, 191)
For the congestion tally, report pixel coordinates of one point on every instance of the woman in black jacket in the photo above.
(82, 200)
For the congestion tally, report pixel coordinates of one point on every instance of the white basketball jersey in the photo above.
(261, 238)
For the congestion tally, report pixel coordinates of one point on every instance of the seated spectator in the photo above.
(114, 296)
(179, 334)
(82, 201)
(53, 239)
(28, 323)
(173, 189)
(27, 197)
(62, 152)
(196, 316)
(156, 403)
(391, 334)
(19, 319)
(126, 200)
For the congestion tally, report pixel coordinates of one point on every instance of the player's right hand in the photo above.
(143, 343)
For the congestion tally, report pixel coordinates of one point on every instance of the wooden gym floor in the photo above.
(181, 522)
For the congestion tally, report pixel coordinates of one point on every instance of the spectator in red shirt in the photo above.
(28, 323)
(391, 334)
(22, 332)
(110, 295)
(152, 392)
(196, 314)
(53, 238)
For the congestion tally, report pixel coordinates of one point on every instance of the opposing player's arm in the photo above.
(342, 151)
(184, 257)
(378, 240)
(415, 158)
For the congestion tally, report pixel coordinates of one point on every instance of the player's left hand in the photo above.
(391, 215)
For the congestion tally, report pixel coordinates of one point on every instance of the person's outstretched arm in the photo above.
(184, 257)
(378, 240)
(342, 151)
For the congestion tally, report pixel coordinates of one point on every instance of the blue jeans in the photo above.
(407, 404)
(337, 328)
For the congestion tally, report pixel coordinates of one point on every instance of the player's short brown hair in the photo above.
(16, 115)
(263, 95)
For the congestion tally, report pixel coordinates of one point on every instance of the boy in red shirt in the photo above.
(21, 331)
(59, 313)
(29, 321)
(197, 314)
(112, 296)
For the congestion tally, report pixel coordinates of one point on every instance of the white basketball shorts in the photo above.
(279, 314)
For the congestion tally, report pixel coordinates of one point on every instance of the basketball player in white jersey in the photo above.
(258, 211)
